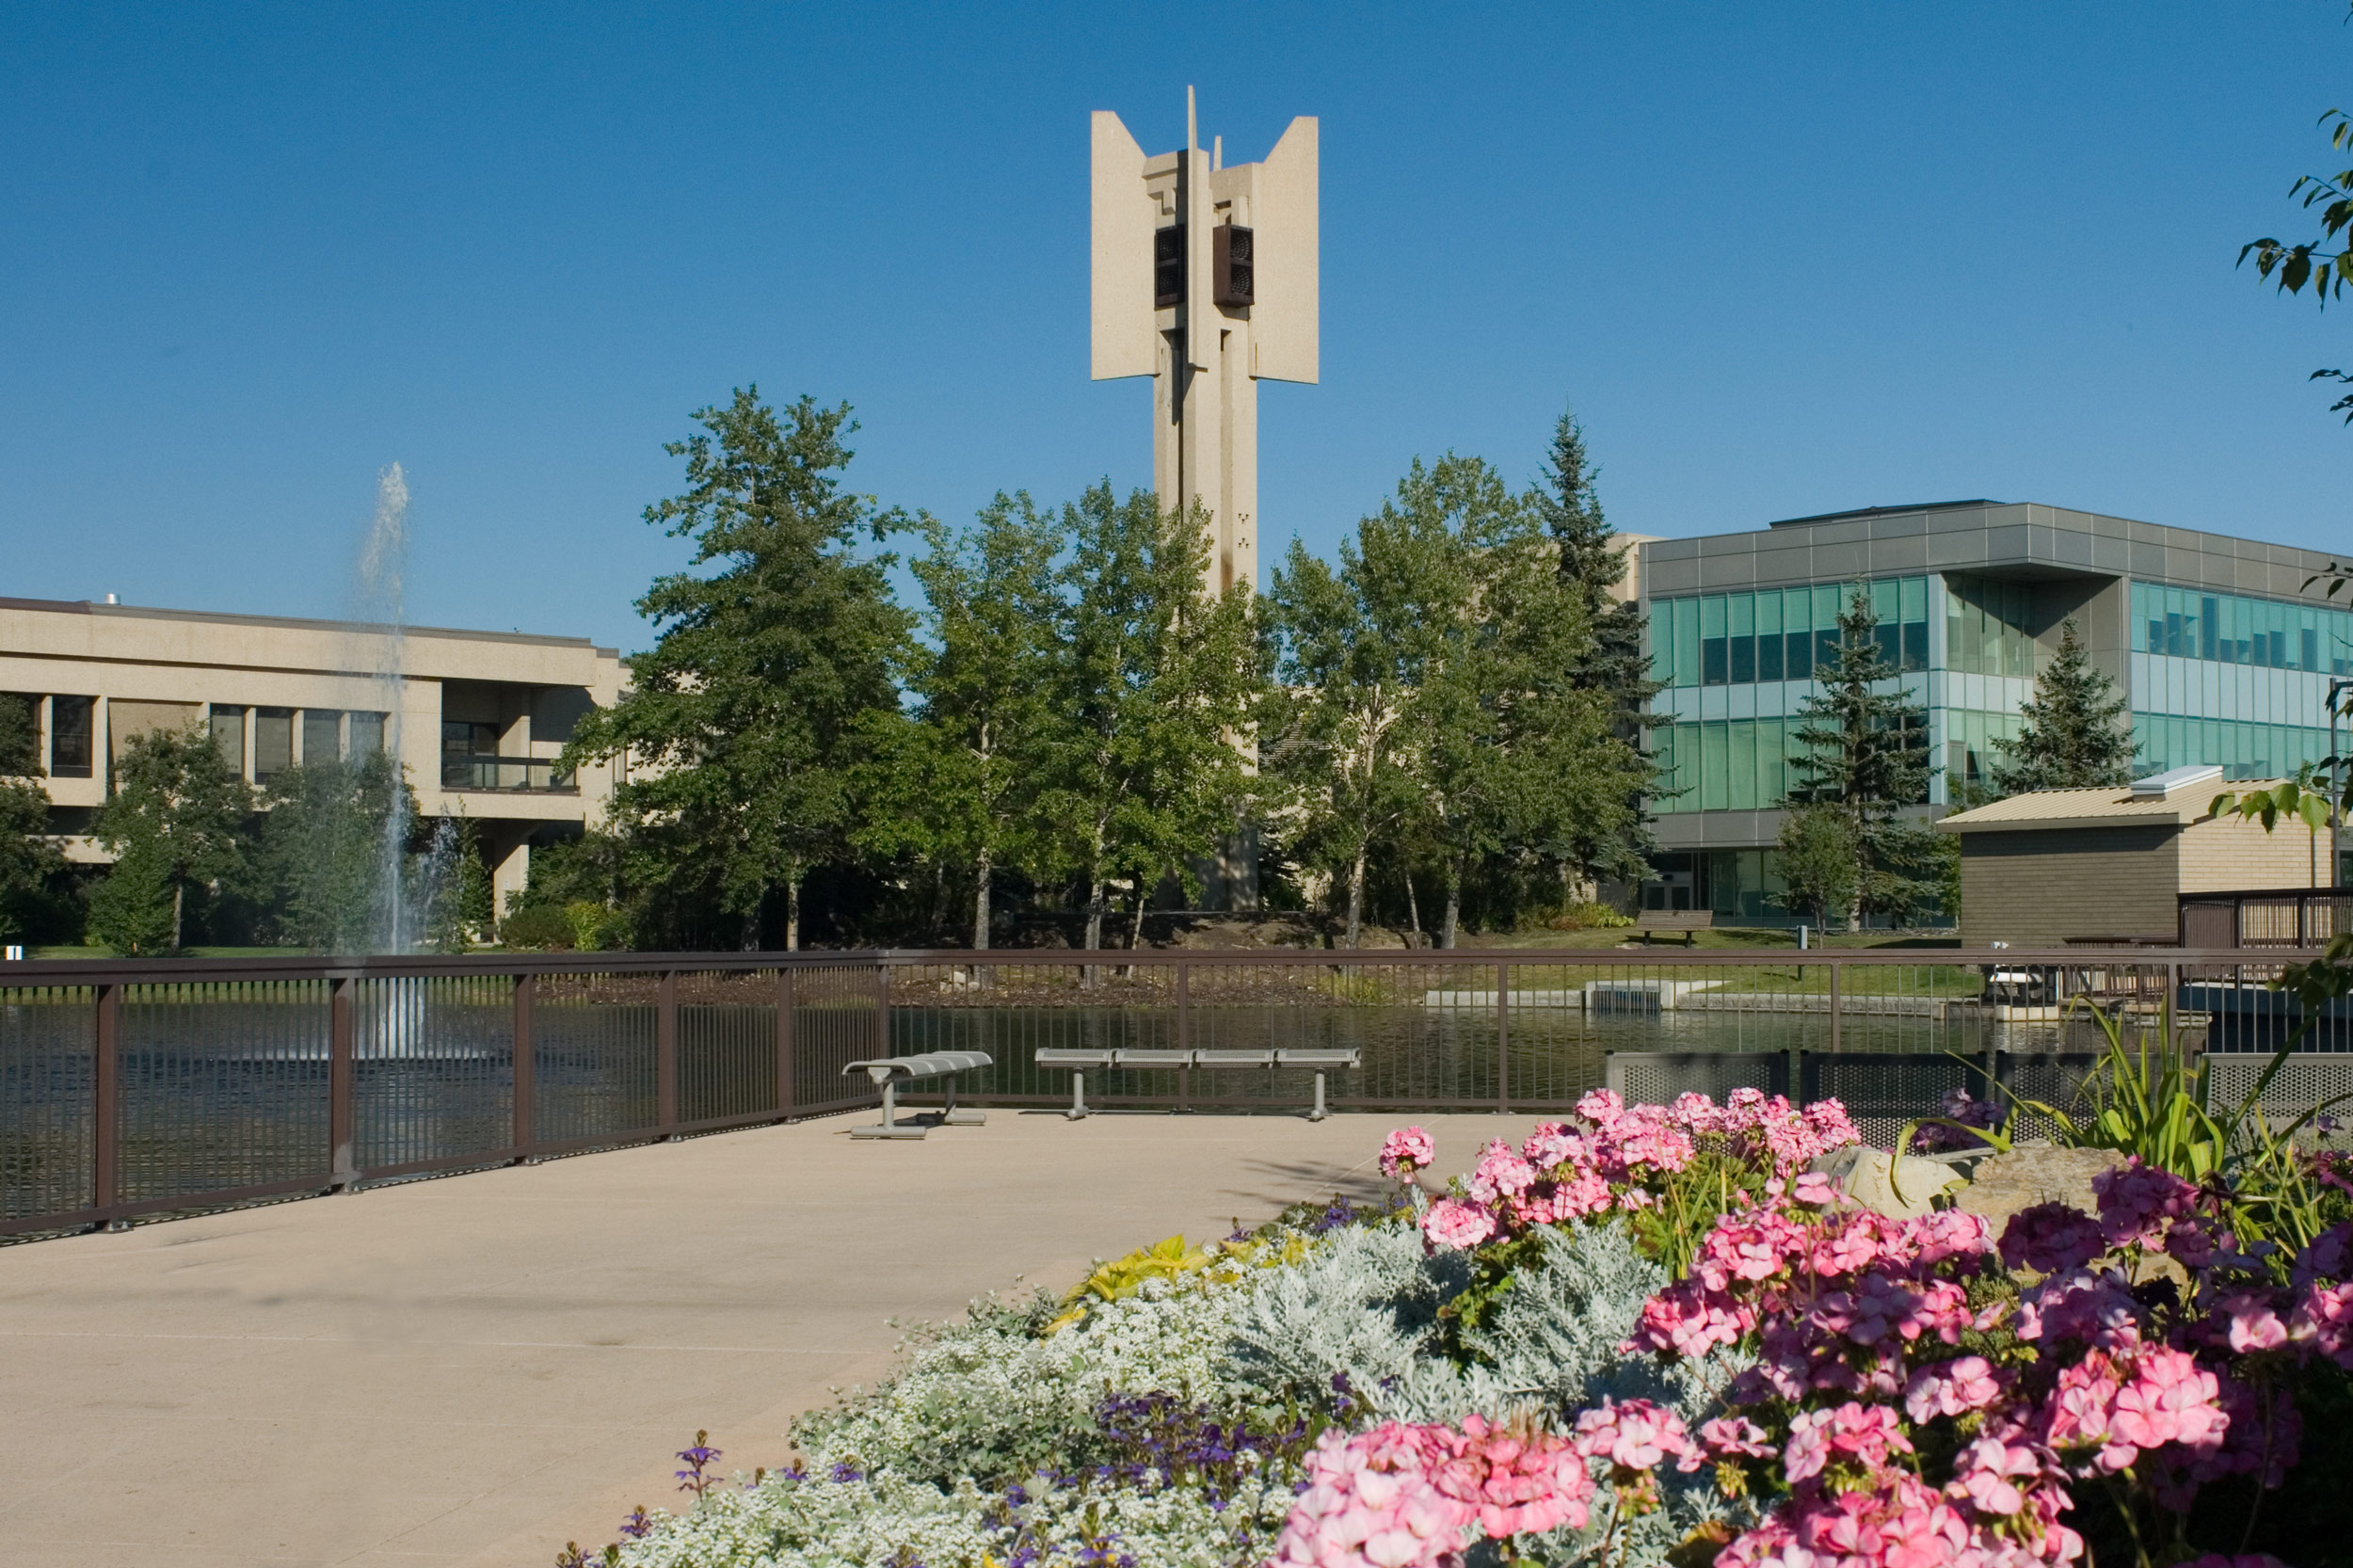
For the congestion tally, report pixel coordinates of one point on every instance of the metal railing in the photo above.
(139, 1087)
(511, 774)
(2285, 918)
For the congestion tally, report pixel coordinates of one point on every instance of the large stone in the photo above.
(2002, 1184)
(1871, 1177)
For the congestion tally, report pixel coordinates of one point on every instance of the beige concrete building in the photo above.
(477, 718)
(2041, 869)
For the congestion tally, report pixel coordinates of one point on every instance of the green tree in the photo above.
(1359, 644)
(1866, 755)
(336, 854)
(747, 717)
(956, 779)
(460, 906)
(177, 818)
(2075, 733)
(1616, 844)
(1815, 856)
(20, 737)
(29, 862)
(2314, 261)
(1158, 679)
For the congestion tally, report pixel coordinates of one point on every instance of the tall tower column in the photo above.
(1206, 280)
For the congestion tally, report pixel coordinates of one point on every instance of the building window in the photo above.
(273, 742)
(228, 727)
(367, 734)
(69, 729)
(322, 735)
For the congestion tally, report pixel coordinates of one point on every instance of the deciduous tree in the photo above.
(956, 778)
(746, 716)
(176, 818)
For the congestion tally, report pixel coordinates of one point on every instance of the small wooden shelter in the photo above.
(2055, 866)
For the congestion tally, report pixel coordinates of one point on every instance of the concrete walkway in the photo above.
(466, 1373)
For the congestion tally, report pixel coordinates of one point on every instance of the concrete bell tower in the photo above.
(1206, 280)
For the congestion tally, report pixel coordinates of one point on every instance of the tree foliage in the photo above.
(2075, 731)
(956, 777)
(175, 820)
(743, 721)
(1617, 845)
(1155, 680)
(1435, 698)
(1865, 756)
(336, 855)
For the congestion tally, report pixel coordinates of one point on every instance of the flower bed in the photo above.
(1647, 1335)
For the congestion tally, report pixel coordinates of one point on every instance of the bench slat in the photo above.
(938, 1063)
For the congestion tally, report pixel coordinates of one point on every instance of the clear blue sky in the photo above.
(1783, 259)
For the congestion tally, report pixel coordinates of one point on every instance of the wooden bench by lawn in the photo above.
(1686, 920)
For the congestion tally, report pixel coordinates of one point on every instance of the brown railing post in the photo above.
(784, 1042)
(1503, 1038)
(665, 1053)
(526, 1128)
(882, 1007)
(105, 1108)
(342, 1137)
(1184, 1032)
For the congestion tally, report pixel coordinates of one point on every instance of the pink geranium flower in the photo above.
(1406, 1150)
(1455, 1225)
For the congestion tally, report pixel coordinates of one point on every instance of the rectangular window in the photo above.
(1712, 670)
(70, 727)
(1825, 651)
(1916, 645)
(1798, 658)
(367, 734)
(228, 727)
(2308, 650)
(1889, 635)
(273, 742)
(1742, 630)
(322, 735)
(1743, 661)
(2209, 628)
(1714, 754)
(1743, 794)
(1768, 656)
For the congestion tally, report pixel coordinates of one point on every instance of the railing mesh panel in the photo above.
(837, 1013)
(727, 1044)
(433, 1067)
(223, 1084)
(48, 1037)
(593, 1058)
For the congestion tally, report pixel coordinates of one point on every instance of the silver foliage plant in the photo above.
(960, 1449)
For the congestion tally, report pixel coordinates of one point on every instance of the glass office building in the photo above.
(2223, 655)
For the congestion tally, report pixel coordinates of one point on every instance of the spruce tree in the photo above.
(1594, 562)
(1866, 755)
(2075, 733)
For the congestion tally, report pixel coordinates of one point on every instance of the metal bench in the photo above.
(891, 1071)
(1209, 1061)
(1686, 920)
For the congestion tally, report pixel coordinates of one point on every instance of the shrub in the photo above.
(537, 927)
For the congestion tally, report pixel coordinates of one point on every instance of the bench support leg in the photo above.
(1078, 1096)
(891, 1127)
(1319, 1113)
(954, 1117)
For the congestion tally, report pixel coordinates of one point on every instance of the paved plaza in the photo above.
(470, 1371)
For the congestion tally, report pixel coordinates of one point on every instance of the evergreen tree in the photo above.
(1157, 681)
(330, 871)
(1866, 755)
(1594, 563)
(1815, 856)
(2075, 731)
(20, 737)
(746, 716)
(956, 779)
(176, 819)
